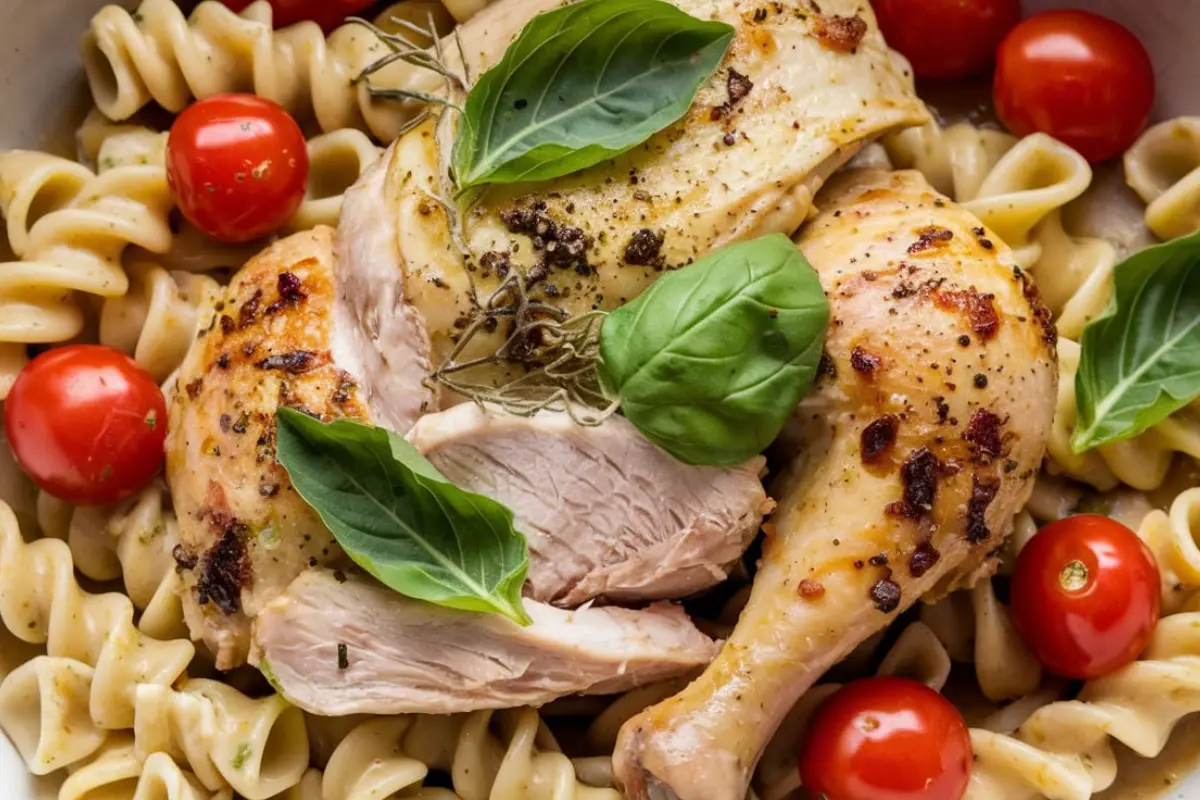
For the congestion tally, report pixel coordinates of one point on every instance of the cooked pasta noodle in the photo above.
(132, 542)
(1062, 751)
(1163, 167)
(69, 227)
(159, 54)
(41, 602)
(118, 773)
(257, 746)
(44, 710)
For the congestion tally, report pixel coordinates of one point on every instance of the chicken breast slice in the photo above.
(800, 91)
(917, 448)
(336, 645)
(607, 513)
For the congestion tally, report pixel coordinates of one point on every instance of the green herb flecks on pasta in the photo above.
(711, 360)
(1140, 359)
(399, 519)
(582, 84)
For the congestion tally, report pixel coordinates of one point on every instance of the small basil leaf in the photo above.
(711, 360)
(1140, 359)
(399, 519)
(582, 84)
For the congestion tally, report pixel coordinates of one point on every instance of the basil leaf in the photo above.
(582, 84)
(399, 519)
(710, 361)
(1140, 359)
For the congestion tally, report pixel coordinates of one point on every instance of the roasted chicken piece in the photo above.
(607, 513)
(244, 532)
(402, 656)
(800, 91)
(917, 447)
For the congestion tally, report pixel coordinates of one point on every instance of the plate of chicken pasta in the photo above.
(643, 399)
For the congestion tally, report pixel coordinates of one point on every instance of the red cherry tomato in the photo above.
(87, 424)
(1078, 76)
(1085, 596)
(238, 166)
(886, 739)
(947, 38)
(326, 13)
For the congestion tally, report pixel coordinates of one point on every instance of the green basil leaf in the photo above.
(582, 84)
(399, 519)
(1140, 359)
(711, 360)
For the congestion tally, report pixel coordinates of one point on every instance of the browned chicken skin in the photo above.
(245, 533)
(917, 447)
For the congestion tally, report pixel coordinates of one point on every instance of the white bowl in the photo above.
(42, 88)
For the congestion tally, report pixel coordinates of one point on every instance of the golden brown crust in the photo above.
(245, 533)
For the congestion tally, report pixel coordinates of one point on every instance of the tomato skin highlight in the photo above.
(326, 13)
(947, 39)
(1077, 76)
(1086, 596)
(886, 739)
(237, 165)
(87, 424)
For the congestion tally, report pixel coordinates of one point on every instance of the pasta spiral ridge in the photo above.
(489, 755)
(69, 227)
(159, 54)
(132, 541)
(117, 772)
(257, 746)
(41, 603)
(1163, 168)
(1062, 751)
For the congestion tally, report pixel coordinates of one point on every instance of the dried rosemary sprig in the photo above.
(556, 355)
(401, 48)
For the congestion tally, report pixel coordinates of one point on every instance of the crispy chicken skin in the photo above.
(918, 445)
(244, 532)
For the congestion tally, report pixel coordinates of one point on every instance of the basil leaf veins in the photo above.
(711, 360)
(582, 84)
(1140, 359)
(399, 519)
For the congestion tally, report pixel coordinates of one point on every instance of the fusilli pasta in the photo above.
(117, 773)
(1163, 167)
(1062, 750)
(159, 54)
(41, 602)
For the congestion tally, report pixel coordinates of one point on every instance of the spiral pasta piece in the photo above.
(489, 755)
(1163, 168)
(159, 54)
(132, 541)
(117, 772)
(44, 711)
(41, 602)
(1141, 462)
(70, 227)
(1062, 751)
(955, 160)
(259, 747)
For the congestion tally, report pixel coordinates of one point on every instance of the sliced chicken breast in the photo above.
(916, 449)
(607, 513)
(337, 645)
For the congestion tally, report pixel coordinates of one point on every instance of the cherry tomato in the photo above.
(947, 38)
(237, 165)
(1085, 596)
(886, 739)
(87, 424)
(1078, 76)
(326, 13)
